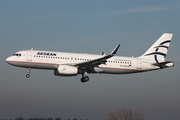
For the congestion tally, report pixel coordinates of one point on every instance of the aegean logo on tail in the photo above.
(161, 45)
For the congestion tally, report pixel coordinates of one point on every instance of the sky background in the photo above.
(88, 27)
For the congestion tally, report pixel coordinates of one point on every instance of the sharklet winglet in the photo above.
(115, 50)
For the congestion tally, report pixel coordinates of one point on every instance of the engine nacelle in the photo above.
(66, 70)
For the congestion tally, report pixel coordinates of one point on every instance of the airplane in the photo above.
(72, 64)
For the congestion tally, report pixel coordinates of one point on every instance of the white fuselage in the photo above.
(51, 60)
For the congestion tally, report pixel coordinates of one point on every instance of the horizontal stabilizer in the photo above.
(164, 64)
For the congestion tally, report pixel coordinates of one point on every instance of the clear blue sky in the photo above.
(88, 27)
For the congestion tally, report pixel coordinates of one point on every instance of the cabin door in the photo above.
(139, 64)
(29, 56)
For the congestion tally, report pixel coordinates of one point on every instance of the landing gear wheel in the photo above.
(27, 75)
(84, 79)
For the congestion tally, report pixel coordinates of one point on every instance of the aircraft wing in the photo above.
(98, 61)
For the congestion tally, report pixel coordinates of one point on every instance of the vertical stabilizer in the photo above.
(159, 49)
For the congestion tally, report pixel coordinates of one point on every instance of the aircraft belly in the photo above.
(95, 70)
(34, 65)
(44, 66)
(119, 71)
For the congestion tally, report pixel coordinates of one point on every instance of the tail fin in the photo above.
(159, 49)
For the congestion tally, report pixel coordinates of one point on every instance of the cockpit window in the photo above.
(16, 54)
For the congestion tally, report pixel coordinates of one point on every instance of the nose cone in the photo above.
(9, 60)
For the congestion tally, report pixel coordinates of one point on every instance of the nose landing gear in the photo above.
(28, 75)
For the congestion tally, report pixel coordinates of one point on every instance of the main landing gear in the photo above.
(84, 78)
(28, 75)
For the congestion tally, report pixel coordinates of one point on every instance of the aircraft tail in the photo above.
(159, 49)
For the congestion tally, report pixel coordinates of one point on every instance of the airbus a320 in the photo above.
(72, 64)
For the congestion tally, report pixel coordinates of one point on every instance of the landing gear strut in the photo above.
(28, 75)
(84, 78)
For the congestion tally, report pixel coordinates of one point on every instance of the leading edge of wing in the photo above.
(98, 61)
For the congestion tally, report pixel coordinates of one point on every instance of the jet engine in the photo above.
(66, 70)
